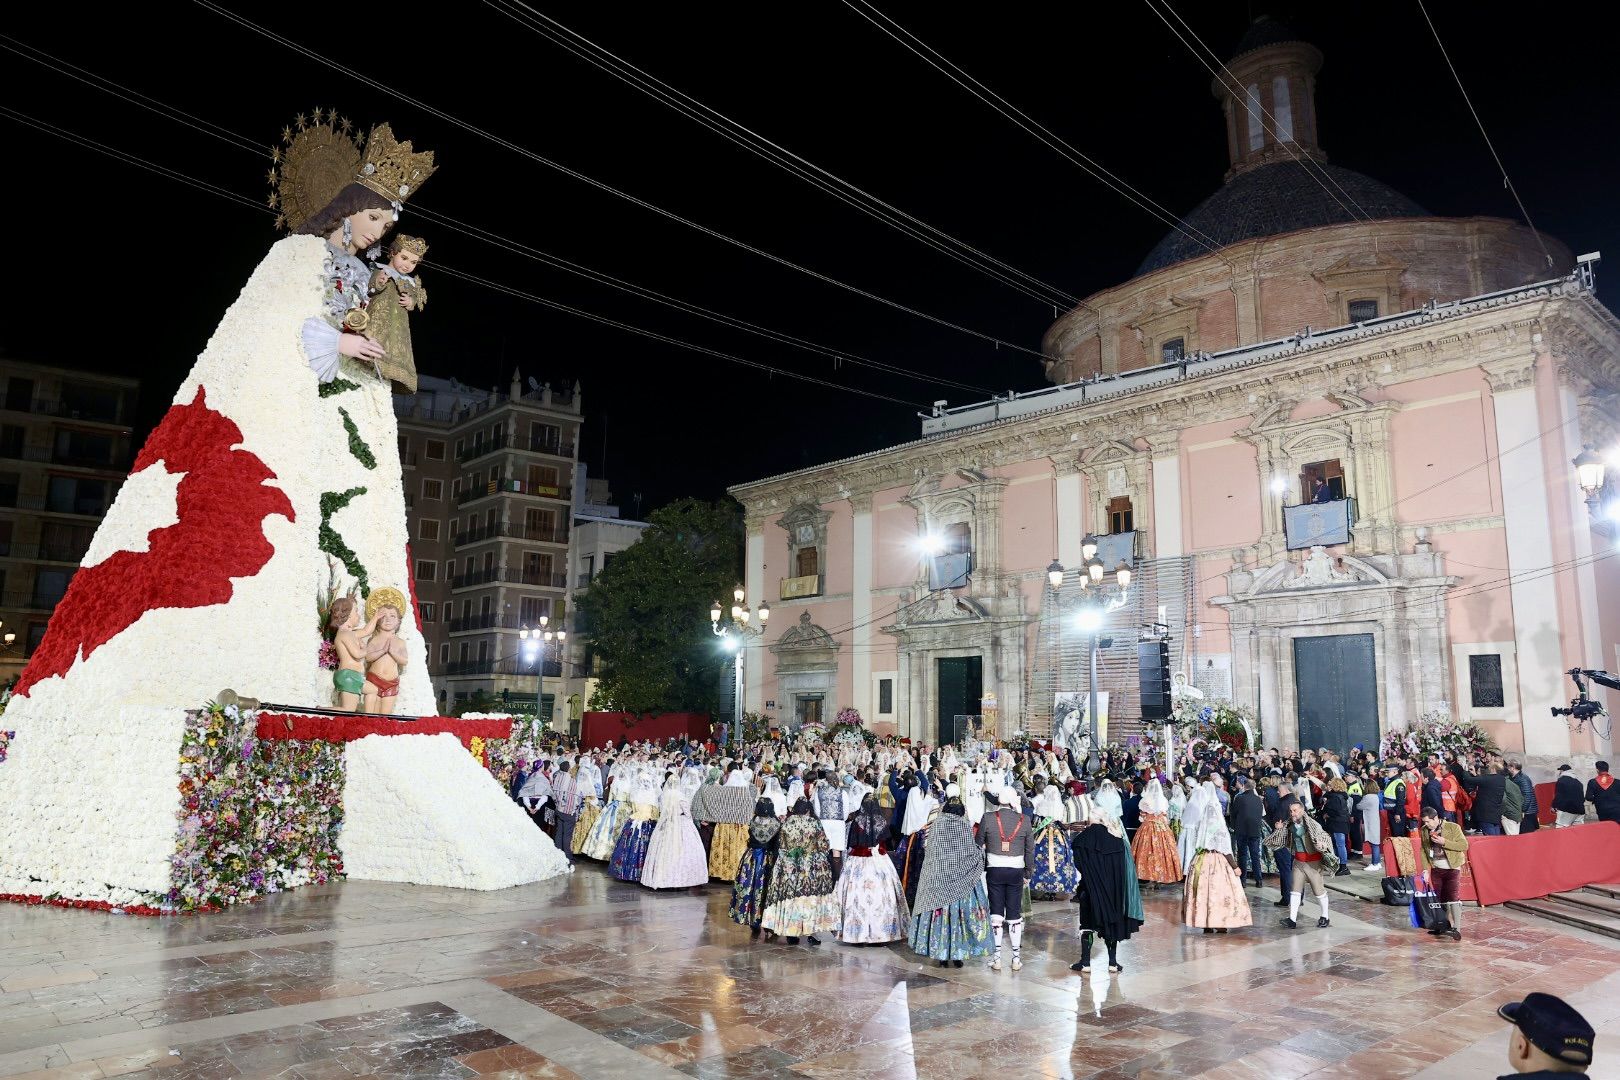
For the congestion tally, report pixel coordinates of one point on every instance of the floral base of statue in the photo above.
(219, 806)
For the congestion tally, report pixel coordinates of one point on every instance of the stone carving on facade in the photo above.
(1319, 569)
(806, 635)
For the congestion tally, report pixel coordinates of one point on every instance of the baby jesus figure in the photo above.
(396, 292)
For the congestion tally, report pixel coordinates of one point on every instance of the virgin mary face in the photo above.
(368, 226)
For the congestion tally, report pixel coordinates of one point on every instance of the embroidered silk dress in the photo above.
(799, 900)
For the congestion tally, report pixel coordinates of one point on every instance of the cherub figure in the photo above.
(349, 639)
(385, 650)
(396, 292)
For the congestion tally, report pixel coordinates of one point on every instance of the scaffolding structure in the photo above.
(1162, 591)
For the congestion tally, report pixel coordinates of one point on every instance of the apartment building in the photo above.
(489, 498)
(65, 448)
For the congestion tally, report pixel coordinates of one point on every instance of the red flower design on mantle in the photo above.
(221, 501)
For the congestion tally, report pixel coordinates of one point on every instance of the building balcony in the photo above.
(798, 588)
(583, 581)
(26, 601)
(516, 487)
(19, 452)
(490, 621)
(511, 666)
(510, 576)
(558, 447)
(82, 411)
(63, 553)
(557, 534)
(1318, 524)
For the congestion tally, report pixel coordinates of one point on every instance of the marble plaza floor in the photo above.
(586, 977)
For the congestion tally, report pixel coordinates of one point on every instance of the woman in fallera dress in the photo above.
(1055, 876)
(950, 921)
(1214, 899)
(871, 901)
(590, 810)
(604, 833)
(921, 807)
(1154, 848)
(799, 900)
(754, 871)
(675, 856)
(630, 850)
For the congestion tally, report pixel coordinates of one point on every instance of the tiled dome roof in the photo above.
(1280, 198)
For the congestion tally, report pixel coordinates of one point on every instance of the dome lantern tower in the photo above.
(1268, 94)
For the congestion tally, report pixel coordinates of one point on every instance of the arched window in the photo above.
(1282, 109)
(1257, 131)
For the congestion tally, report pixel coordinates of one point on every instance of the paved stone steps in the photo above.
(1587, 909)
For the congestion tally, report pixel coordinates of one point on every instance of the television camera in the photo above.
(1581, 707)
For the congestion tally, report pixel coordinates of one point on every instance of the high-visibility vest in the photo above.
(1414, 800)
(1448, 793)
(1354, 790)
(1391, 793)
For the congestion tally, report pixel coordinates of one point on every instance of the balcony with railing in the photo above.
(508, 576)
(29, 601)
(513, 666)
(797, 588)
(564, 492)
(91, 411)
(487, 621)
(503, 530)
(1322, 524)
(536, 444)
(63, 553)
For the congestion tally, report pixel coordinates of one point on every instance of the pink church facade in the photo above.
(1344, 529)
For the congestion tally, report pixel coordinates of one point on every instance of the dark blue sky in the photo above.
(115, 269)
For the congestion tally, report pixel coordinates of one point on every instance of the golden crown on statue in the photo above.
(391, 168)
(415, 245)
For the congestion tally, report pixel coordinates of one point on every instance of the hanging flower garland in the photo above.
(357, 446)
(332, 544)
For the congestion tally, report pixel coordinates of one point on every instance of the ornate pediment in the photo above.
(806, 635)
(1318, 570)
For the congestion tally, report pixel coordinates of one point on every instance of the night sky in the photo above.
(114, 269)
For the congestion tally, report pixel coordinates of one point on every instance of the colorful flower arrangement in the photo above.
(850, 728)
(327, 656)
(256, 817)
(1211, 721)
(5, 744)
(1436, 733)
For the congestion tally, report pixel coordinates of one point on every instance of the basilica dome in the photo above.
(1281, 197)
(1288, 242)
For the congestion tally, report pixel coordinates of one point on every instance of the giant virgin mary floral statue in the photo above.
(274, 469)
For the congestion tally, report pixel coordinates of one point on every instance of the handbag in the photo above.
(1398, 890)
(1426, 910)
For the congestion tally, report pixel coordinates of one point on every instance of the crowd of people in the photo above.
(947, 848)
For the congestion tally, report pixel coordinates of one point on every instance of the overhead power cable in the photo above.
(259, 207)
(1263, 115)
(936, 60)
(599, 185)
(235, 139)
(1501, 168)
(596, 55)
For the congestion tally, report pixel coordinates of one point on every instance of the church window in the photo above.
(1173, 351)
(958, 539)
(1251, 103)
(808, 560)
(1363, 310)
(885, 697)
(1120, 516)
(1282, 109)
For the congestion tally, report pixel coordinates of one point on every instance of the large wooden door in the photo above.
(1337, 691)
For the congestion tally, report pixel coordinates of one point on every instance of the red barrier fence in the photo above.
(1546, 861)
(596, 728)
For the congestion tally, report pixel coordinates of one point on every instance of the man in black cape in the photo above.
(1100, 857)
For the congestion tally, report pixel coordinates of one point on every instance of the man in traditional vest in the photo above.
(1008, 841)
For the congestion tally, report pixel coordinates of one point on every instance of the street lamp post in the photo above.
(536, 644)
(734, 634)
(1098, 598)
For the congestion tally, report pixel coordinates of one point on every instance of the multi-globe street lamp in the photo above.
(536, 645)
(1098, 597)
(734, 633)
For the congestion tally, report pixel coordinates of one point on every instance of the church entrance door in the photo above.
(1337, 691)
(961, 686)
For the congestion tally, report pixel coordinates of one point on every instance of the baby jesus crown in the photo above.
(391, 168)
(415, 245)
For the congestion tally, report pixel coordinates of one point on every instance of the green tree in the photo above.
(646, 614)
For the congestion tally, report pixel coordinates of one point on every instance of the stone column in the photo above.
(1166, 449)
(754, 586)
(1525, 511)
(861, 602)
(1276, 733)
(1068, 507)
